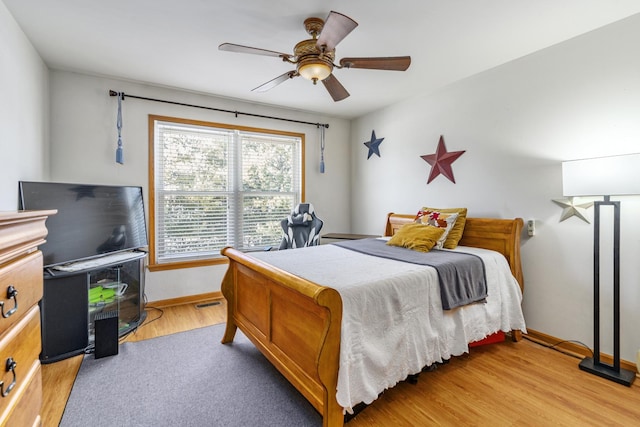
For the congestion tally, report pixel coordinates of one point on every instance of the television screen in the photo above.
(92, 220)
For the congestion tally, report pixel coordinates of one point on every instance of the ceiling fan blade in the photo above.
(393, 63)
(335, 88)
(230, 47)
(336, 27)
(275, 82)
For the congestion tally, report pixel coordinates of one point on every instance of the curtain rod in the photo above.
(114, 93)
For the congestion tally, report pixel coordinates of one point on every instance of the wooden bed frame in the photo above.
(296, 323)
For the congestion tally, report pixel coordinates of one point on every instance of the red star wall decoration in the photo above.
(441, 162)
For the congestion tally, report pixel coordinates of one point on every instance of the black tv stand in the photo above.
(75, 293)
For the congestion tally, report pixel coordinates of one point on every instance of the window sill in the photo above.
(187, 264)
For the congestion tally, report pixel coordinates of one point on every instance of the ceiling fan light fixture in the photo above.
(315, 70)
(314, 58)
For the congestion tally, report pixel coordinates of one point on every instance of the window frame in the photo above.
(153, 264)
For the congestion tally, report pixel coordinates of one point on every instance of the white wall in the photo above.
(517, 122)
(24, 107)
(84, 137)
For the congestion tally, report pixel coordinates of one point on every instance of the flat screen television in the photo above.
(92, 220)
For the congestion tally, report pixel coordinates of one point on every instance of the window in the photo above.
(213, 185)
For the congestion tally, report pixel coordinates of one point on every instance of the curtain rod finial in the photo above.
(114, 93)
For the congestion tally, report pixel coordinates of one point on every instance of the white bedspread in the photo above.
(393, 323)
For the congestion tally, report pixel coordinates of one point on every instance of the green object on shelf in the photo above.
(100, 294)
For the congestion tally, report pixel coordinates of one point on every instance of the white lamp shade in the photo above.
(602, 176)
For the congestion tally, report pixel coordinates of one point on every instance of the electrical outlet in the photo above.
(531, 227)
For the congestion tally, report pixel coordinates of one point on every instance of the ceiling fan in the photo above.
(314, 58)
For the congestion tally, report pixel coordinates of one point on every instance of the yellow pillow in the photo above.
(418, 237)
(455, 234)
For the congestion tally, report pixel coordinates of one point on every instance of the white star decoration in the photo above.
(570, 208)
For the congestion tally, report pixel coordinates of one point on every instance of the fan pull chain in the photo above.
(321, 149)
(119, 151)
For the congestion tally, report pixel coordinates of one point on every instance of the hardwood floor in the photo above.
(504, 384)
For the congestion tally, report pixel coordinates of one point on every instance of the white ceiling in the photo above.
(175, 43)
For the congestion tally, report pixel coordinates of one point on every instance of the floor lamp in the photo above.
(604, 176)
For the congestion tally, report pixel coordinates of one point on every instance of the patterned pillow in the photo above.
(455, 234)
(418, 237)
(438, 219)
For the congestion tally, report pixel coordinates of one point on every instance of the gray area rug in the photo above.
(185, 379)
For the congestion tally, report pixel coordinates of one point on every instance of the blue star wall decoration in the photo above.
(374, 144)
(441, 161)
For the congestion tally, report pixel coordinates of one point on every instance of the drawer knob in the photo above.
(11, 294)
(10, 367)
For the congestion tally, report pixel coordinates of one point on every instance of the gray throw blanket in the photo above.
(462, 276)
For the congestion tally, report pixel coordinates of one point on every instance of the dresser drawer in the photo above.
(22, 345)
(25, 276)
(27, 410)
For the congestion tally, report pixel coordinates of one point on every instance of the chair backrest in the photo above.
(301, 228)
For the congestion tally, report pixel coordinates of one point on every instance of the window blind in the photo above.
(217, 187)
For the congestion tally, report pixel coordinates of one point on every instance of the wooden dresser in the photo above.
(20, 341)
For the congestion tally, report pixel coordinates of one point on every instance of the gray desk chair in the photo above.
(301, 228)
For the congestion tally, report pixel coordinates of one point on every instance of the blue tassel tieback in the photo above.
(119, 151)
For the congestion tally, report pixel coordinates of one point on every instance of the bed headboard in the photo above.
(501, 235)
